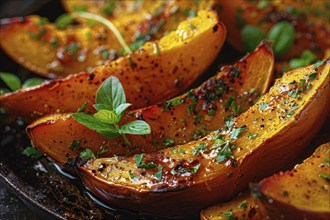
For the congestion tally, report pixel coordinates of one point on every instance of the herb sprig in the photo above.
(110, 106)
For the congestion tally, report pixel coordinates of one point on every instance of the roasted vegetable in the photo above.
(80, 48)
(242, 207)
(156, 72)
(183, 180)
(250, 21)
(302, 193)
(177, 121)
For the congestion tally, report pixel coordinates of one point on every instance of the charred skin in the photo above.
(285, 120)
(147, 76)
(301, 193)
(310, 20)
(182, 119)
(83, 47)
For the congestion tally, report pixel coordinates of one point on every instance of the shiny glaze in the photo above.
(147, 76)
(178, 121)
(284, 127)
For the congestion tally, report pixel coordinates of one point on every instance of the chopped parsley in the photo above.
(87, 154)
(32, 152)
(236, 132)
(159, 173)
(243, 204)
(252, 136)
(200, 147)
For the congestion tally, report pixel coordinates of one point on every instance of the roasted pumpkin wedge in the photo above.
(183, 180)
(177, 121)
(148, 75)
(302, 193)
(242, 207)
(310, 20)
(81, 48)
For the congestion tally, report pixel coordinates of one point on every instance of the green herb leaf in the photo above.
(75, 145)
(326, 160)
(11, 80)
(236, 132)
(283, 34)
(251, 37)
(159, 173)
(106, 116)
(169, 141)
(195, 169)
(225, 153)
(147, 165)
(63, 21)
(318, 64)
(121, 108)
(243, 204)
(135, 127)
(32, 152)
(312, 76)
(111, 93)
(263, 106)
(87, 154)
(229, 215)
(99, 107)
(83, 107)
(92, 123)
(32, 82)
(138, 159)
(200, 147)
(252, 136)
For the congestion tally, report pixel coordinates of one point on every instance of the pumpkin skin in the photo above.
(297, 194)
(285, 120)
(53, 134)
(83, 47)
(165, 74)
(312, 28)
(218, 211)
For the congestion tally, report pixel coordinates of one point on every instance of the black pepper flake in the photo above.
(91, 77)
(215, 28)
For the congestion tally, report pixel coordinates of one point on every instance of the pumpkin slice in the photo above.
(302, 193)
(177, 121)
(183, 180)
(80, 48)
(156, 72)
(242, 207)
(310, 21)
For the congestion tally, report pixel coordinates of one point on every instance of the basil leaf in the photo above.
(111, 93)
(32, 82)
(63, 21)
(135, 127)
(121, 108)
(11, 80)
(92, 123)
(251, 37)
(106, 116)
(4, 91)
(99, 107)
(283, 34)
